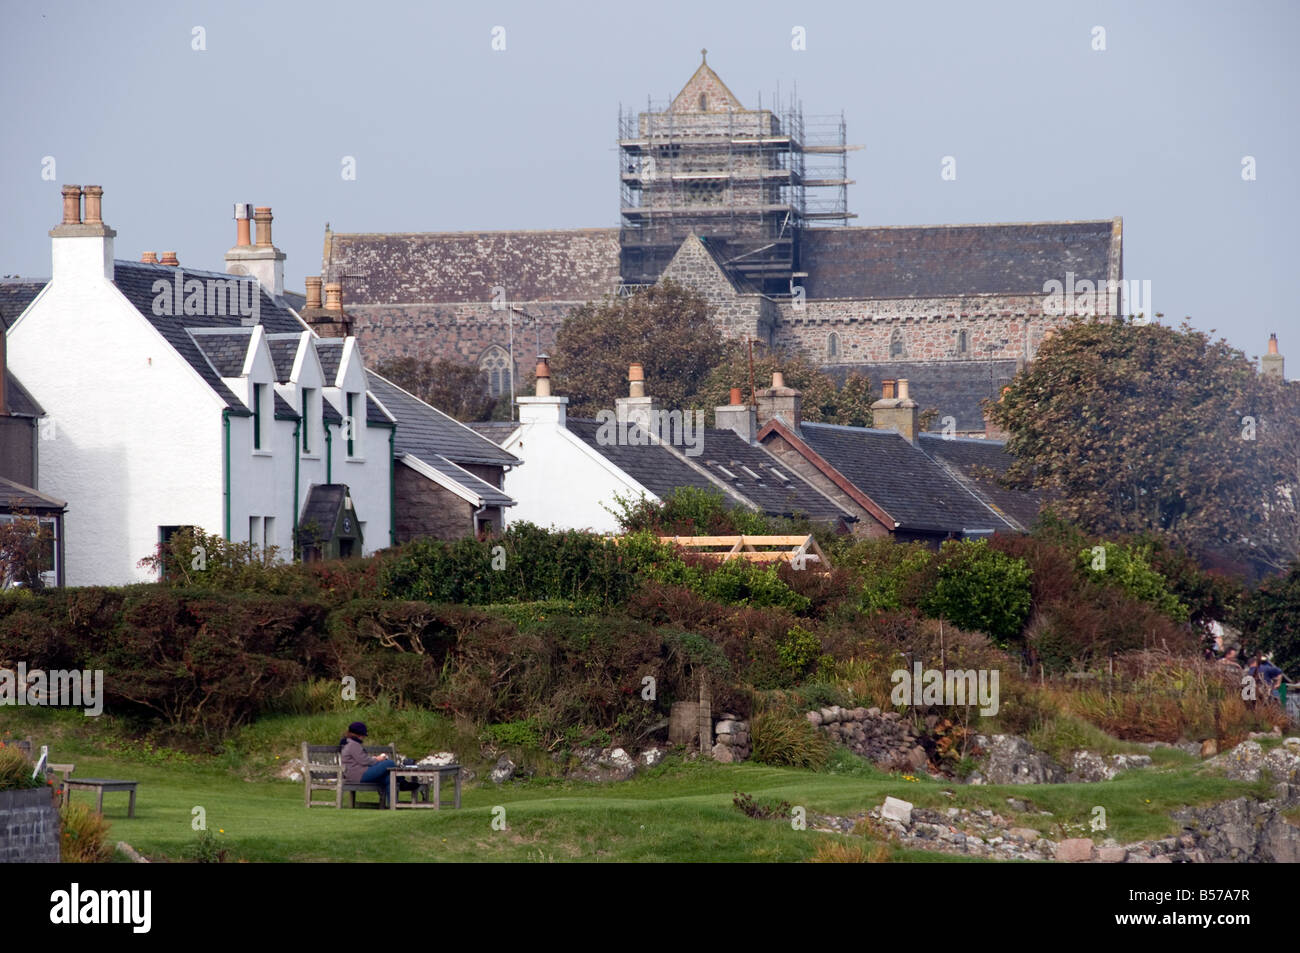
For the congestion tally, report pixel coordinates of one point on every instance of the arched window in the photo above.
(896, 345)
(963, 343)
(704, 103)
(832, 346)
(495, 363)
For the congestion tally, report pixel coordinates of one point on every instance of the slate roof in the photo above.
(578, 264)
(375, 416)
(135, 281)
(18, 400)
(910, 486)
(954, 260)
(485, 491)
(330, 353)
(498, 431)
(661, 471)
(954, 388)
(980, 462)
(283, 353)
(425, 432)
(324, 500)
(15, 295)
(17, 496)
(226, 350)
(283, 411)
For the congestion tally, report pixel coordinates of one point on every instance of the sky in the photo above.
(504, 115)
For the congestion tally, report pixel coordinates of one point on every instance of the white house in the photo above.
(188, 398)
(575, 471)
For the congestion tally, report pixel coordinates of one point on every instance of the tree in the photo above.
(1142, 428)
(458, 390)
(824, 401)
(666, 328)
(1270, 619)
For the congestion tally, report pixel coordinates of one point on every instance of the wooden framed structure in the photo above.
(799, 551)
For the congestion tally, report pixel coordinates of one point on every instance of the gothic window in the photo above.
(963, 343)
(495, 363)
(704, 103)
(896, 345)
(832, 346)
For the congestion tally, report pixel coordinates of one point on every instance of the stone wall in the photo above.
(426, 509)
(739, 316)
(880, 737)
(732, 742)
(29, 827)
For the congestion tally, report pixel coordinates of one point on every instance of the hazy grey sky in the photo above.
(450, 134)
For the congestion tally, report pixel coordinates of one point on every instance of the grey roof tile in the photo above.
(15, 295)
(426, 432)
(226, 350)
(485, 491)
(330, 353)
(981, 462)
(17, 496)
(283, 353)
(19, 401)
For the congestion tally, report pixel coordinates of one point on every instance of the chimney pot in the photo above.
(902, 388)
(169, 258)
(72, 205)
(149, 258)
(735, 397)
(1272, 343)
(94, 204)
(333, 295)
(243, 212)
(543, 376)
(887, 390)
(262, 216)
(778, 379)
(636, 380)
(313, 291)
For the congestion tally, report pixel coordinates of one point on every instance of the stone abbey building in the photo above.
(748, 206)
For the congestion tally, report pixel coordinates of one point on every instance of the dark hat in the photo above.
(358, 728)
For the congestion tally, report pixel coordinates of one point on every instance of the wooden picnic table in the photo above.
(424, 773)
(100, 785)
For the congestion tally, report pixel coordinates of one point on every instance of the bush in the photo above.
(1270, 619)
(889, 572)
(16, 770)
(783, 739)
(1129, 567)
(981, 589)
(82, 838)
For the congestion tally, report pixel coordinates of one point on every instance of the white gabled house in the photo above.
(186, 398)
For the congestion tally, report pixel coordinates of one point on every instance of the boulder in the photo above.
(895, 809)
(724, 754)
(436, 759)
(503, 772)
(814, 718)
(1074, 850)
(724, 727)
(1209, 748)
(1013, 760)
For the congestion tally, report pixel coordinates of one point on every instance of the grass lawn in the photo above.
(678, 811)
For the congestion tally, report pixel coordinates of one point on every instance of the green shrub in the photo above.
(16, 770)
(799, 651)
(1129, 567)
(889, 572)
(82, 837)
(980, 589)
(783, 739)
(515, 734)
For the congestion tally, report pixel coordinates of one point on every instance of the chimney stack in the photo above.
(899, 413)
(169, 258)
(1272, 364)
(737, 416)
(82, 249)
(262, 260)
(780, 401)
(636, 407)
(543, 376)
(148, 258)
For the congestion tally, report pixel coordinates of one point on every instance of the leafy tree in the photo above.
(980, 589)
(458, 390)
(1270, 619)
(824, 400)
(665, 327)
(1142, 428)
(1129, 567)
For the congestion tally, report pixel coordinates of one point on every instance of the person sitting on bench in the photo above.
(361, 768)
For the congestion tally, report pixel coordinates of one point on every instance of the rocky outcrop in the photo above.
(1246, 761)
(1013, 760)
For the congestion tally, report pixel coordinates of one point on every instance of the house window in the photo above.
(833, 346)
(255, 530)
(495, 363)
(350, 423)
(268, 533)
(308, 402)
(257, 415)
(44, 551)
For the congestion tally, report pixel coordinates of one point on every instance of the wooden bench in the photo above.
(322, 771)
